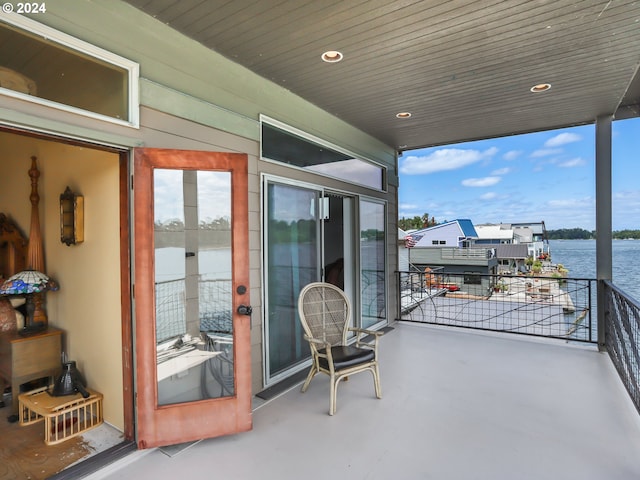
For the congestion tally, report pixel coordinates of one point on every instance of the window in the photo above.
(472, 278)
(51, 68)
(314, 155)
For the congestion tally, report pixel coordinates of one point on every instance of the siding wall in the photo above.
(448, 233)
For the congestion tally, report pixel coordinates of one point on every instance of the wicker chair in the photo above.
(325, 314)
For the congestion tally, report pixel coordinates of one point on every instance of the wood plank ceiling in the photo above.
(463, 68)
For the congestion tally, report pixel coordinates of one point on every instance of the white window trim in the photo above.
(83, 47)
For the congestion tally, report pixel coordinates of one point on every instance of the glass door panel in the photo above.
(372, 263)
(194, 332)
(293, 261)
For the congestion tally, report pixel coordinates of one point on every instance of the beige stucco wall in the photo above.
(87, 305)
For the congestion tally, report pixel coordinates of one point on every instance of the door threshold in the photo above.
(97, 462)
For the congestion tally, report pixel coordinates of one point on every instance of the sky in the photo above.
(548, 176)
(214, 195)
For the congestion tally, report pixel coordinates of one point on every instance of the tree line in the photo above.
(582, 234)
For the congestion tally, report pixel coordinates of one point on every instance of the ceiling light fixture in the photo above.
(541, 87)
(332, 56)
(403, 115)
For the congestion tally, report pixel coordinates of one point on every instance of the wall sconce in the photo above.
(71, 218)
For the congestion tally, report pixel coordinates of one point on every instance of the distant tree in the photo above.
(417, 222)
(570, 234)
(625, 234)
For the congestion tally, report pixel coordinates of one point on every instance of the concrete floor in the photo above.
(456, 405)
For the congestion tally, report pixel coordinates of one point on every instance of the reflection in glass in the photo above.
(42, 68)
(292, 263)
(194, 328)
(283, 146)
(372, 261)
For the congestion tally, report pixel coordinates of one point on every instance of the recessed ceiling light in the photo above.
(541, 87)
(403, 114)
(332, 56)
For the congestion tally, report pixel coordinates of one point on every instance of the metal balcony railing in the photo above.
(622, 337)
(214, 308)
(556, 307)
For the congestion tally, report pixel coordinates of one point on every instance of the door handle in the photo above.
(244, 310)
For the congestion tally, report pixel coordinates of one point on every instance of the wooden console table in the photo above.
(23, 359)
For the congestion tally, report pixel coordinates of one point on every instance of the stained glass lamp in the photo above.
(30, 284)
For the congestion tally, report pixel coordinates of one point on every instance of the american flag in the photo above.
(409, 241)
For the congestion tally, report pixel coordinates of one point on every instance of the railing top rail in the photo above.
(627, 297)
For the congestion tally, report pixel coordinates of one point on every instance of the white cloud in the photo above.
(512, 154)
(626, 209)
(562, 139)
(545, 152)
(574, 162)
(480, 182)
(407, 206)
(444, 159)
(501, 171)
(627, 195)
(488, 196)
(571, 203)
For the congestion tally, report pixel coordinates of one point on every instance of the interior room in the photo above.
(86, 307)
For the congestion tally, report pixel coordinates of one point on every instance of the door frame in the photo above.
(177, 423)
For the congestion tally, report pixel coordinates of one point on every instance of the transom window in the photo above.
(42, 65)
(293, 149)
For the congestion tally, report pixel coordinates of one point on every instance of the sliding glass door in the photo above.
(312, 235)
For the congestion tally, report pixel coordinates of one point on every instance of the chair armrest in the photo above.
(361, 332)
(375, 333)
(316, 344)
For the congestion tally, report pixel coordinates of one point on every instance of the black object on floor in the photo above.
(278, 388)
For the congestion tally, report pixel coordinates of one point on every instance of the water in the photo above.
(579, 257)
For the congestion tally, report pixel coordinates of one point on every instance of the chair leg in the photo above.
(376, 381)
(312, 373)
(333, 394)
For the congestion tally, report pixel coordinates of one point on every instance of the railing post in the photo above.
(603, 217)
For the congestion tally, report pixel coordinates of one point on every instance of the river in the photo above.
(579, 257)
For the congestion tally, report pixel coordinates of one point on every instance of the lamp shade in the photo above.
(27, 282)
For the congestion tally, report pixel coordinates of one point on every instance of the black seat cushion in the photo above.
(347, 356)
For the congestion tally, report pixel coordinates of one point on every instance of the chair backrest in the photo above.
(325, 312)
